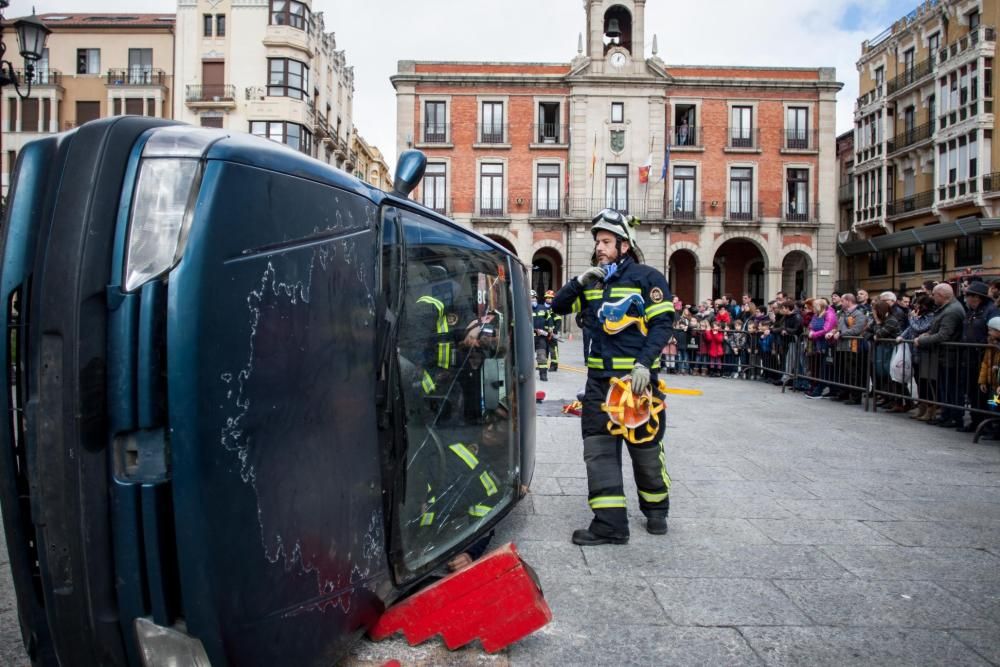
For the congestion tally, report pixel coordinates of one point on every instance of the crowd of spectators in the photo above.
(933, 353)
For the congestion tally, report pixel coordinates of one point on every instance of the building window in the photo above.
(433, 184)
(616, 187)
(617, 112)
(289, 12)
(974, 18)
(220, 25)
(908, 63)
(88, 61)
(140, 66)
(932, 256)
(797, 190)
(29, 114)
(548, 123)
(87, 111)
(547, 191)
(206, 22)
(491, 189)
(741, 127)
(934, 44)
(288, 78)
(879, 76)
(291, 134)
(741, 193)
(796, 127)
(211, 121)
(435, 129)
(492, 130)
(878, 264)
(908, 259)
(968, 251)
(682, 206)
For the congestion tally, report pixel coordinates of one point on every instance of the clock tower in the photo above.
(615, 31)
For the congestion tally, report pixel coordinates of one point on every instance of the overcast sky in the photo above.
(378, 33)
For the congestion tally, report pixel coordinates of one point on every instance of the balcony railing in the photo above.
(637, 207)
(991, 182)
(971, 40)
(909, 137)
(846, 193)
(442, 205)
(801, 140)
(491, 207)
(491, 133)
(686, 211)
(432, 133)
(211, 93)
(548, 133)
(915, 202)
(40, 77)
(799, 212)
(910, 75)
(741, 212)
(685, 136)
(136, 76)
(742, 137)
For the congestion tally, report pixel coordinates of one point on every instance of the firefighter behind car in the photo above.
(540, 322)
(629, 312)
(555, 325)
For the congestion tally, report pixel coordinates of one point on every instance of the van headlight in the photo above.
(163, 201)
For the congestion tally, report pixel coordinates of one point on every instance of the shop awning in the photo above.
(921, 235)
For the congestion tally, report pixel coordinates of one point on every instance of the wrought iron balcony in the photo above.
(742, 212)
(911, 75)
(40, 77)
(136, 76)
(491, 133)
(743, 137)
(909, 137)
(548, 208)
(685, 210)
(910, 204)
(432, 133)
(801, 140)
(636, 207)
(212, 93)
(685, 136)
(798, 212)
(991, 182)
(548, 133)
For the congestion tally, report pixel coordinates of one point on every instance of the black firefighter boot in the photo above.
(554, 366)
(543, 374)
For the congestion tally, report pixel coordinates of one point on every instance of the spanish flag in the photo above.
(593, 158)
(645, 168)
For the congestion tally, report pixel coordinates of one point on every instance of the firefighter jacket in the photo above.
(555, 320)
(464, 489)
(541, 318)
(628, 319)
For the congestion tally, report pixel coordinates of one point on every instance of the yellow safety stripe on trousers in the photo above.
(427, 518)
(593, 294)
(625, 291)
(479, 511)
(659, 309)
(607, 502)
(663, 468)
(596, 363)
(444, 349)
(427, 383)
(488, 484)
(654, 497)
(462, 452)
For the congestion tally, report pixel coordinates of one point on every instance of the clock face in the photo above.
(618, 59)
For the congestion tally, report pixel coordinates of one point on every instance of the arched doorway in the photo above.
(741, 267)
(502, 241)
(796, 274)
(682, 272)
(546, 271)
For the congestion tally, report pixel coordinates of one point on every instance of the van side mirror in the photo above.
(409, 171)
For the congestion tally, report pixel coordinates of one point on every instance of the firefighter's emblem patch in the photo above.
(452, 319)
(656, 295)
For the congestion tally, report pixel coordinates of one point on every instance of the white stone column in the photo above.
(20, 114)
(159, 104)
(703, 285)
(41, 115)
(54, 117)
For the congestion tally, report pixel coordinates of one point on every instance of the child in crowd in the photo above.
(766, 343)
(715, 348)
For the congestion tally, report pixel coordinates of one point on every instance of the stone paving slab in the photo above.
(946, 564)
(727, 602)
(820, 531)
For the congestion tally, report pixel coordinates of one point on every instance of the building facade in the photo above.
(925, 190)
(268, 68)
(846, 278)
(95, 65)
(370, 165)
(527, 153)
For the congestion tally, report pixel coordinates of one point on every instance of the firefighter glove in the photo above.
(640, 379)
(591, 275)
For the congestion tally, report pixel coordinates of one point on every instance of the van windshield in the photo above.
(455, 361)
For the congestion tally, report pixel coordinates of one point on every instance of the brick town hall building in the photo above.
(527, 153)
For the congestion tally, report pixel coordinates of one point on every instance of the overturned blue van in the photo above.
(238, 382)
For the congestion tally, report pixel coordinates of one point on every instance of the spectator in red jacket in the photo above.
(715, 348)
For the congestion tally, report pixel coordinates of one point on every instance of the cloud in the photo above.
(378, 33)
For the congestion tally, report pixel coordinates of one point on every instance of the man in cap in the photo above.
(630, 316)
(980, 311)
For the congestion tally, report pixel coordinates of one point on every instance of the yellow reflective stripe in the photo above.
(622, 363)
(659, 309)
(577, 306)
(663, 468)
(625, 291)
(595, 362)
(427, 519)
(488, 484)
(444, 355)
(656, 363)
(462, 452)
(607, 502)
(593, 294)
(432, 301)
(427, 383)
(480, 511)
(444, 349)
(654, 497)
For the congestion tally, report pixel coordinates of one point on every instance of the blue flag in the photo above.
(666, 162)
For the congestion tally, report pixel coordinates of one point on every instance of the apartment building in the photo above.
(95, 65)
(845, 201)
(370, 165)
(268, 68)
(925, 195)
(731, 169)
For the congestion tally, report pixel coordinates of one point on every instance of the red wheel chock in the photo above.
(496, 600)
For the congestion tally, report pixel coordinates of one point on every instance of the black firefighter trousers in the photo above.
(602, 452)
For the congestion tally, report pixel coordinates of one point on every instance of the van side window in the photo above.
(455, 362)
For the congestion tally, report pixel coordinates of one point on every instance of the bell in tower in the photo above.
(615, 24)
(618, 28)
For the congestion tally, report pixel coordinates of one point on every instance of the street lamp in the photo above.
(31, 35)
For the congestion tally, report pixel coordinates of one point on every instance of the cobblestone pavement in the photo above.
(801, 533)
